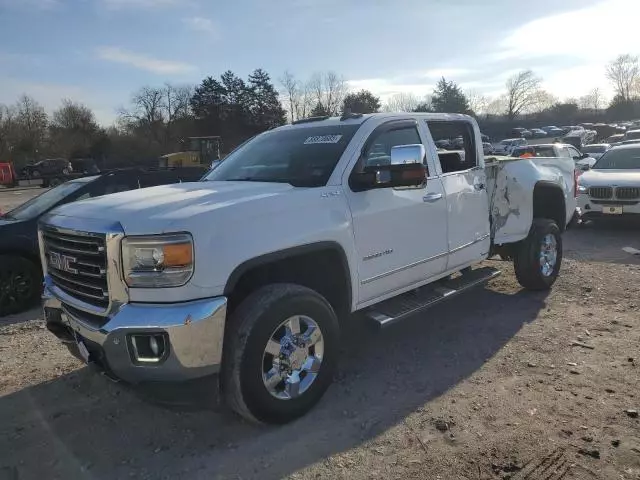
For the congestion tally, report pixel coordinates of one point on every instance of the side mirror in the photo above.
(405, 169)
(403, 154)
(584, 155)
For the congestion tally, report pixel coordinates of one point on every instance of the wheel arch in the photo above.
(291, 265)
(549, 202)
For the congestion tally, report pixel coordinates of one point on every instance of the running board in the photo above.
(400, 307)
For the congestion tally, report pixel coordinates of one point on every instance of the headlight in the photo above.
(157, 260)
(582, 189)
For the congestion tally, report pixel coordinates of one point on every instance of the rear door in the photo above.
(464, 181)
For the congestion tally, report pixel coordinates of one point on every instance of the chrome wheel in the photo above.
(548, 255)
(292, 357)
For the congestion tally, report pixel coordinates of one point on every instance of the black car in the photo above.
(20, 271)
(51, 166)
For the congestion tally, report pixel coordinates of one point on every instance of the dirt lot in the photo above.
(499, 384)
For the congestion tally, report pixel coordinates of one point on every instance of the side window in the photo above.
(564, 152)
(460, 136)
(378, 150)
(574, 153)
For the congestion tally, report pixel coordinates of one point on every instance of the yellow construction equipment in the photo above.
(198, 152)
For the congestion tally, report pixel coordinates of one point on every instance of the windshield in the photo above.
(43, 202)
(594, 149)
(299, 156)
(619, 159)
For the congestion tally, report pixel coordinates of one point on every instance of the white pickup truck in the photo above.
(247, 277)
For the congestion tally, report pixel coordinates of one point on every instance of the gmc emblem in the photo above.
(62, 262)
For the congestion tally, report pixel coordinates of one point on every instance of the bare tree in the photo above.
(594, 100)
(291, 93)
(175, 108)
(72, 130)
(523, 93)
(73, 116)
(498, 105)
(327, 91)
(146, 113)
(478, 102)
(624, 74)
(402, 102)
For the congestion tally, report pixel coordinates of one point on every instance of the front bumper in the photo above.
(195, 333)
(593, 208)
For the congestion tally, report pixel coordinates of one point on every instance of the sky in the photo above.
(99, 52)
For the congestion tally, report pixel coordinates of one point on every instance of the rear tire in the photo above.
(538, 258)
(250, 372)
(20, 284)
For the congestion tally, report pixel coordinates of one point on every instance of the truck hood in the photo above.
(608, 178)
(147, 209)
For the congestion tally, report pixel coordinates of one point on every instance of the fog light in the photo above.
(148, 348)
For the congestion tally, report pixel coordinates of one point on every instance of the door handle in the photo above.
(478, 186)
(432, 197)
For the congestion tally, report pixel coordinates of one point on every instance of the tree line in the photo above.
(158, 119)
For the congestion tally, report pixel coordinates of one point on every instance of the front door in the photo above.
(464, 181)
(400, 233)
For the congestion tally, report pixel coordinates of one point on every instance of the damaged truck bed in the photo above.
(516, 182)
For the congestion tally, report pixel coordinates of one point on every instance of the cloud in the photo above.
(601, 31)
(142, 62)
(201, 24)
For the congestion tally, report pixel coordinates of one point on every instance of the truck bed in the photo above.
(510, 186)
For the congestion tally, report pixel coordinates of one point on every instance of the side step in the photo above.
(400, 307)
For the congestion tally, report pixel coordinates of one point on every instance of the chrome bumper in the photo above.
(195, 332)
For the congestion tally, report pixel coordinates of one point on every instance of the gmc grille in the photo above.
(627, 193)
(602, 193)
(77, 264)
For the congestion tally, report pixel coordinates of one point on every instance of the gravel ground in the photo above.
(505, 384)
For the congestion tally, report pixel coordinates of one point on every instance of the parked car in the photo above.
(538, 133)
(521, 132)
(505, 146)
(20, 270)
(615, 138)
(575, 138)
(554, 131)
(444, 143)
(50, 166)
(632, 135)
(596, 150)
(612, 187)
(583, 161)
(245, 280)
(487, 148)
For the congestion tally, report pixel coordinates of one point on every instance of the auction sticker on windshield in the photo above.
(323, 139)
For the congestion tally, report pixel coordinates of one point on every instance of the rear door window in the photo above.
(467, 157)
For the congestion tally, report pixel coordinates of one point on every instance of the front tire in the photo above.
(20, 284)
(281, 350)
(539, 256)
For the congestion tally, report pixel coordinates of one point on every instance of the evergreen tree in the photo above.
(361, 102)
(448, 97)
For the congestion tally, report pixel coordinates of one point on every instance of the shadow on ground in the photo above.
(34, 312)
(82, 426)
(604, 241)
